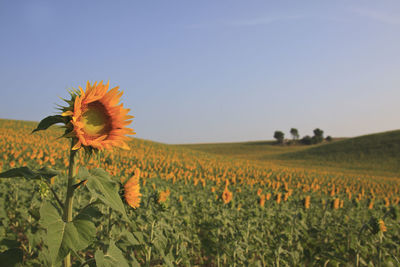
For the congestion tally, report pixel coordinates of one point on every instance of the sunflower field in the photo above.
(82, 202)
(195, 209)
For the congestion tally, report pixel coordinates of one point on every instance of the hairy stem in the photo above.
(70, 195)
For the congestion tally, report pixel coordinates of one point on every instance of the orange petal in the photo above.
(77, 146)
(67, 113)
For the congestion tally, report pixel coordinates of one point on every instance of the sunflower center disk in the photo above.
(96, 120)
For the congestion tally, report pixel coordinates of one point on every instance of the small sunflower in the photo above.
(382, 226)
(307, 202)
(227, 195)
(163, 196)
(262, 200)
(259, 191)
(96, 119)
(132, 190)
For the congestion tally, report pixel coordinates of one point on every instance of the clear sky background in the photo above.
(210, 71)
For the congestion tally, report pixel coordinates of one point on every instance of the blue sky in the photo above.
(210, 71)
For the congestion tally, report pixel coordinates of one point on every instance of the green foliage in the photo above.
(195, 228)
(200, 230)
(295, 133)
(374, 154)
(371, 152)
(63, 237)
(25, 172)
(279, 136)
(318, 136)
(307, 140)
(101, 186)
(49, 121)
(113, 257)
(12, 257)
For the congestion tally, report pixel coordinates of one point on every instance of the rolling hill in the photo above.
(372, 153)
(379, 151)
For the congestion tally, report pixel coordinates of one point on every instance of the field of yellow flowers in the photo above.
(198, 209)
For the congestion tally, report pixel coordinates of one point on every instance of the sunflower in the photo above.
(262, 201)
(163, 196)
(307, 202)
(259, 191)
(382, 226)
(336, 203)
(227, 195)
(96, 119)
(132, 190)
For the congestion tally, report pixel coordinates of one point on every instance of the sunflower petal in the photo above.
(67, 113)
(77, 146)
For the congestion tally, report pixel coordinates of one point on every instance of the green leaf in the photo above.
(27, 173)
(35, 213)
(78, 235)
(82, 174)
(24, 172)
(102, 187)
(112, 258)
(130, 237)
(90, 211)
(47, 173)
(49, 121)
(12, 257)
(52, 221)
(168, 259)
(63, 237)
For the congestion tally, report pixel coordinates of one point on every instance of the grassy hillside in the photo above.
(371, 152)
(377, 153)
(257, 150)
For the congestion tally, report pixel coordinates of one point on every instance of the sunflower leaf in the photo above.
(19, 172)
(27, 173)
(47, 173)
(64, 237)
(49, 121)
(101, 186)
(113, 257)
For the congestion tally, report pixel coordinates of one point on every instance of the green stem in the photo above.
(151, 241)
(109, 220)
(70, 195)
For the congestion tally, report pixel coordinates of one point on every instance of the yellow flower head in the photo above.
(278, 198)
(382, 226)
(163, 196)
(262, 201)
(307, 202)
(259, 191)
(96, 119)
(227, 195)
(132, 191)
(336, 203)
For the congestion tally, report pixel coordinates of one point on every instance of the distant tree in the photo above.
(314, 140)
(328, 138)
(306, 140)
(295, 133)
(279, 136)
(318, 136)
